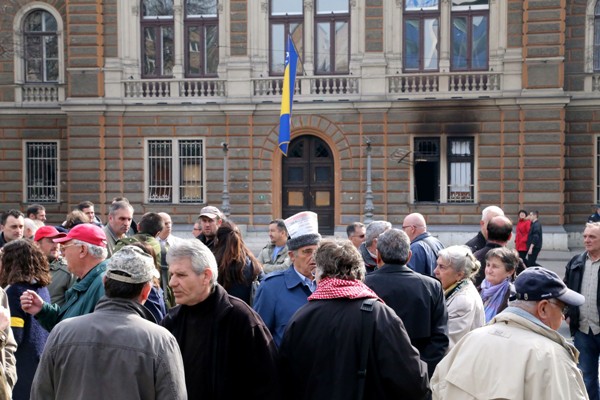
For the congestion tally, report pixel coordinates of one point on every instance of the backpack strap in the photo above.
(367, 318)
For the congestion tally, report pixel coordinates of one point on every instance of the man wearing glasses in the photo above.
(423, 245)
(356, 232)
(282, 293)
(519, 354)
(84, 249)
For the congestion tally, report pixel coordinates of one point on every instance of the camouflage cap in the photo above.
(137, 266)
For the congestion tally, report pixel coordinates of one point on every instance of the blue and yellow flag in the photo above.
(287, 96)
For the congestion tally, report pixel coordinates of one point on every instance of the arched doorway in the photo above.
(308, 181)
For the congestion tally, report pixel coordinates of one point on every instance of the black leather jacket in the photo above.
(573, 277)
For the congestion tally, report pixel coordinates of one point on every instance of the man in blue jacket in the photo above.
(282, 293)
(423, 246)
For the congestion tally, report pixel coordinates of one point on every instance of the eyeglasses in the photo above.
(564, 309)
(411, 226)
(359, 236)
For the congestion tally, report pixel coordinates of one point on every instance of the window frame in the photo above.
(202, 22)
(470, 14)
(286, 20)
(444, 160)
(175, 173)
(421, 15)
(332, 18)
(157, 23)
(27, 174)
(44, 57)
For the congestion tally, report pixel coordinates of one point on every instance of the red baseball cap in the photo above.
(47, 232)
(88, 233)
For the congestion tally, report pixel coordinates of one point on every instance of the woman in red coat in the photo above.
(523, 227)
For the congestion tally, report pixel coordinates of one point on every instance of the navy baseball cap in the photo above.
(537, 283)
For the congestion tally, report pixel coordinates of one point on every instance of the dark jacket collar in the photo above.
(393, 268)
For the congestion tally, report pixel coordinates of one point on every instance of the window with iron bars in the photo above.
(41, 172)
(443, 169)
(175, 171)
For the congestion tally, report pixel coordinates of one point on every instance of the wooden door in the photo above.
(308, 181)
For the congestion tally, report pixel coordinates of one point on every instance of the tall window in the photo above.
(286, 18)
(157, 38)
(444, 170)
(332, 37)
(175, 171)
(421, 35)
(470, 39)
(201, 38)
(597, 37)
(41, 172)
(41, 47)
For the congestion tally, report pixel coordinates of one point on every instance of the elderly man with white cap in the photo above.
(519, 354)
(84, 249)
(117, 351)
(282, 293)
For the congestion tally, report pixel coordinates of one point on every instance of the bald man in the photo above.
(479, 240)
(423, 246)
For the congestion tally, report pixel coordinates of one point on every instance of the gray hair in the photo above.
(119, 205)
(200, 256)
(374, 229)
(339, 259)
(525, 305)
(487, 212)
(592, 225)
(95, 251)
(393, 246)
(461, 259)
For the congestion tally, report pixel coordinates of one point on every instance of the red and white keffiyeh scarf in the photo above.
(334, 288)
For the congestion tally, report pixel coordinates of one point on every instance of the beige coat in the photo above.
(510, 358)
(465, 313)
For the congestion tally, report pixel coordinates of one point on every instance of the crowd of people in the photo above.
(127, 309)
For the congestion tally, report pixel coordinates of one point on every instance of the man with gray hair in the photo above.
(368, 250)
(120, 217)
(226, 348)
(479, 240)
(84, 249)
(417, 299)
(139, 359)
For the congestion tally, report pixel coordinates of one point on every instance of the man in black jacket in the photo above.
(228, 352)
(417, 299)
(326, 339)
(534, 240)
(581, 275)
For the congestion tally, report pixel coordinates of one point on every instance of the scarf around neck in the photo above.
(334, 288)
(493, 297)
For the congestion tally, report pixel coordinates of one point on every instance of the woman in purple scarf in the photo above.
(496, 288)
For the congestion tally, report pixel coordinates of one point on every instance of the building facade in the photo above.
(460, 104)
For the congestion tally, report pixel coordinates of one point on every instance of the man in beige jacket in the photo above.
(519, 354)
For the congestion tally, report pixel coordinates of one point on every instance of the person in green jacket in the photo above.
(84, 248)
